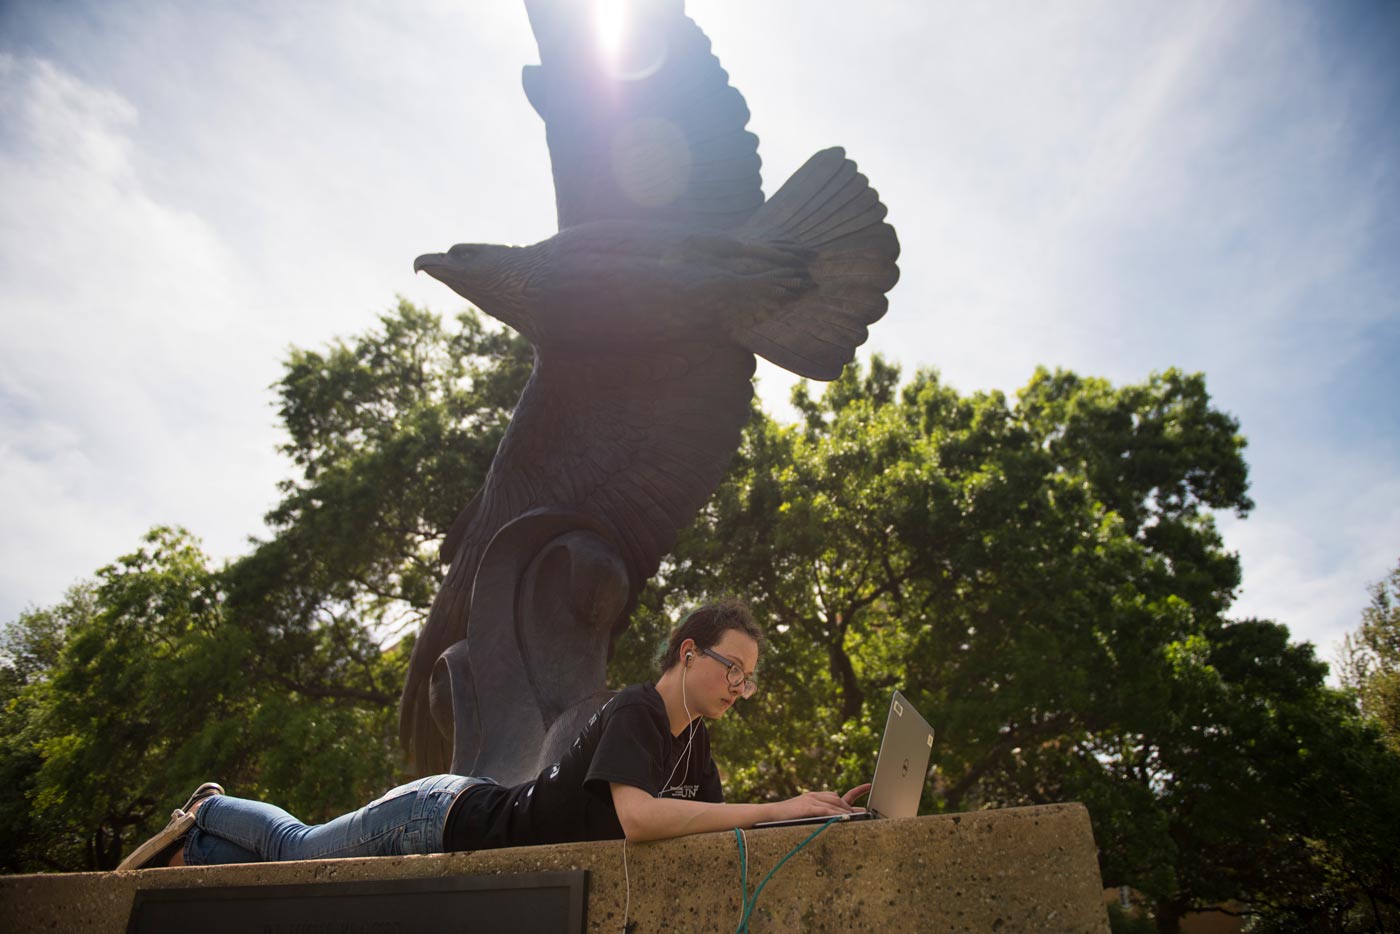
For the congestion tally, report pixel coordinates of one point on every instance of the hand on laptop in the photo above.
(812, 804)
(856, 793)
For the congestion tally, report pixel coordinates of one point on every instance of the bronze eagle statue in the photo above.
(669, 272)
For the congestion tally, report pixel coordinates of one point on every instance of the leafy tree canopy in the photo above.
(1046, 579)
(1370, 662)
(1042, 574)
(279, 673)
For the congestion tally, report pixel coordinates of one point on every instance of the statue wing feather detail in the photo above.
(648, 129)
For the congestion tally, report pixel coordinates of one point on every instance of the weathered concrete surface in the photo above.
(1018, 869)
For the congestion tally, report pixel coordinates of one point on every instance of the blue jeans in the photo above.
(409, 819)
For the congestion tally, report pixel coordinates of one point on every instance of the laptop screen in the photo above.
(900, 770)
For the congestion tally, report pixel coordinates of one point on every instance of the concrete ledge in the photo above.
(1018, 869)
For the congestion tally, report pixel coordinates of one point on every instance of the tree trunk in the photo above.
(844, 673)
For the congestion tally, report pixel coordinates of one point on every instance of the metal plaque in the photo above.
(523, 902)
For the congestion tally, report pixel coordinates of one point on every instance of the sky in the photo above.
(189, 189)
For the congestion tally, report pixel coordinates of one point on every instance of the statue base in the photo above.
(1017, 869)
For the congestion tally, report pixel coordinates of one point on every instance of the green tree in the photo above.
(1370, 658)
(134, 690)
(393, 433)
(1047, 579)
(1252, 781)
(30, 651)
(278, 674)
(954, 545)
(102, 737)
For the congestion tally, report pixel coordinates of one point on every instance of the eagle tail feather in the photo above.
(827, 207)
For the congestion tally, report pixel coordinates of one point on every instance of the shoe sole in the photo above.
(180, 824)
(181, 820)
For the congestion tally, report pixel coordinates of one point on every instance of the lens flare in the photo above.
(628, 50)
(610, 23)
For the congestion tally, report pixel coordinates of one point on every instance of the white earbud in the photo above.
(689, 656)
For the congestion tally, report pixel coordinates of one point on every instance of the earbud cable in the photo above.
(685, 753)
(627, 881)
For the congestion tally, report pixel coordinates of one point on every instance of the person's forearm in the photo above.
(646, 818)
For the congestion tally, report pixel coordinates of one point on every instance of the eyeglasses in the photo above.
(735, 675)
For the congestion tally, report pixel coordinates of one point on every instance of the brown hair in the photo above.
(708, 624)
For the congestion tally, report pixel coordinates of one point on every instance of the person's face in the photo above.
(707, 679)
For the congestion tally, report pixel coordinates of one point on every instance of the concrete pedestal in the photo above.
(1018, 869)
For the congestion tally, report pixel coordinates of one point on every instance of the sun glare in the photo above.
(610, 21)
(631, 44)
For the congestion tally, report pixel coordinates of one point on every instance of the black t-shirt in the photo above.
(628, 741)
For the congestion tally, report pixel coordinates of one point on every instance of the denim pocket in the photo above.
(385, 819)
(409, 819)
(410, 789)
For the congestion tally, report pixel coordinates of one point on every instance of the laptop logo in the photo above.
(898, 709)
(906, 767)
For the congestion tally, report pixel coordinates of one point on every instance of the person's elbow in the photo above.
(636, 812)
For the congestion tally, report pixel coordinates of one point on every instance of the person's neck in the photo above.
(669, 686)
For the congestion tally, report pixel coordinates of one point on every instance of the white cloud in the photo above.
(182, 203)
(117, 344)
(1316, 583)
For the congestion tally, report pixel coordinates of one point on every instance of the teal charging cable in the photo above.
(750, 902)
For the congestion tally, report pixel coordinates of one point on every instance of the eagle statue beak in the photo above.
(429, 260)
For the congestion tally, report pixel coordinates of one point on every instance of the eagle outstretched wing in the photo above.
(641, 120)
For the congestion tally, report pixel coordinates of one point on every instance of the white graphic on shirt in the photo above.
(682, 791)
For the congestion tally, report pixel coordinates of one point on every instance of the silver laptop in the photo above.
(900, 769)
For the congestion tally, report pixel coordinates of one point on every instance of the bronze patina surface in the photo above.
(669, 273)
